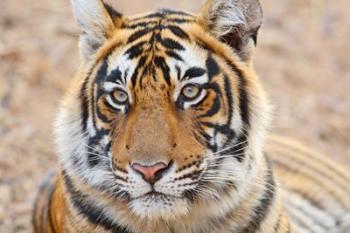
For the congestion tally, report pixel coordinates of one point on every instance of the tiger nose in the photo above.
(150, 173)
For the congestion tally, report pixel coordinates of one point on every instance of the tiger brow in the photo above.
(116, 76)
(193, 72)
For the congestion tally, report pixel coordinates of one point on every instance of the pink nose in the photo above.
(150, 173)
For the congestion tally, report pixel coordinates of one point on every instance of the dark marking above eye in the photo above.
(115, 76)
(212, 67)
(139, 34)
(173, 54)
(171, 44)
(135, 50)
(102, 72)
(178, 32)
(193, 72)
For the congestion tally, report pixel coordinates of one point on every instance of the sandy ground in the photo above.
(303, 59)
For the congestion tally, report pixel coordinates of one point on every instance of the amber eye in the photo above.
(191, 91)
(120, 96)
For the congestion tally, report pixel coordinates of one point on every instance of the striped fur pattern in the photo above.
(179, 90)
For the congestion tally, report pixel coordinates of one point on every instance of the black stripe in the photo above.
(261, 211)
(174, 12)
(149, 16)
(90, 210)
(84, 104)
(228, 87)
(110, 108)
(215, 107)
(100, 77)
(139, 34)
(178, 32)
(140, 24)
(160, 62)
(102, 72)
(173, 54)
(140, 64)
(207, 140)
(243, 95)
(135, 50)
(193, 72)
(96, 148)
(100, 114)
(115, 76)
(215, 87)
(212, 67)
(171, 44)
(223, 129)
(180, 21)
(238, 151)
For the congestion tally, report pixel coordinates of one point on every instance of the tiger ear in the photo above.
(96, 21)
(234, 22)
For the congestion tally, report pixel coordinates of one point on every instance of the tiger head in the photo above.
(165, 112)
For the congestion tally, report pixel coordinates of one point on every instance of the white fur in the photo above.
(90, 15)
(227, 15)
(94, 22)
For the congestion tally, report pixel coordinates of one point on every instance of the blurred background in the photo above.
(302, 58)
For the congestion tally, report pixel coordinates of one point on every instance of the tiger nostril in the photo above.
(150, 173)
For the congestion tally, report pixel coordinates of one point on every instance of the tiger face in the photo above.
(159, 116)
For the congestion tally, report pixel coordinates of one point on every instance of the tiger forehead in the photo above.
(162, 15)
(152, 40)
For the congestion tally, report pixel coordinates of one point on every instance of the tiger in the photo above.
(165, 129)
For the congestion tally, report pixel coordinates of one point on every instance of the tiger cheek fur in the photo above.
(163, 129)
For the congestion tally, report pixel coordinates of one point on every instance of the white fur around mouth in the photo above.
(158, 205)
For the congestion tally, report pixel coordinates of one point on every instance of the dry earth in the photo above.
(303, 59)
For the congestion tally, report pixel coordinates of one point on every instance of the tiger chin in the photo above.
(163, 130)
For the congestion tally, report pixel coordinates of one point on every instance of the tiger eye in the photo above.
(191, 91)
(120, 96)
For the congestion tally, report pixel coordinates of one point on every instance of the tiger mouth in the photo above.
(155, 195)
